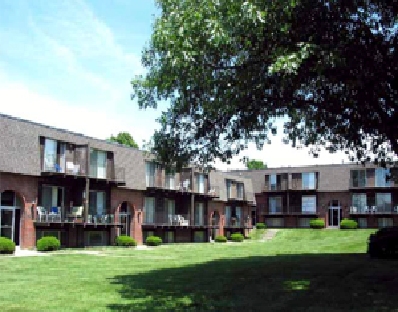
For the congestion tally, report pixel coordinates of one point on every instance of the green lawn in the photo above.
(299, 270)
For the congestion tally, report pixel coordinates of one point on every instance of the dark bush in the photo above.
(7, 246)
(260, 226)
(317, 223)
(220, 239)
(384, 243)
(153, 241)
(347, 224)
(237, 237)
(48, 243)
(125, 241)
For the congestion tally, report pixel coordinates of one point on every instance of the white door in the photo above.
(334, 216)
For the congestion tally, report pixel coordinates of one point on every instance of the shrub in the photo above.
(317, 223)
(7, 246)
(48, 243)
(348, 224)
(260, 226)
(153, 241)
(384, 243)
(220, 239)
(237, 237)
(125, 241)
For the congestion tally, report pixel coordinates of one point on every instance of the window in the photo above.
(199, 217)
(358, 178)
(274, 222)
(359, 201)
(227, 213)
(50, 154)
(382, 176)
(199, 236)
(170, 181)
(272, 182)
(169, 237)
(52, 196)
(304, 222)
(308, 180)
(308, 204)
(170, 204)
(97, 164)
(383, 202)
(97, 203)
(150, 169)
(149, 207)
(238, 214)
(200, 183)
(362, 223)
(385, 222)
(275, 204)
(96, 238)
(240, 190)
(229, 187)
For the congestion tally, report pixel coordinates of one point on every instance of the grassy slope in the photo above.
(300, 270)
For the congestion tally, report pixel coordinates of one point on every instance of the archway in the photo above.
(10, 215)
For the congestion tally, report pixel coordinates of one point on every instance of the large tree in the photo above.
(230, 67)
(253, 164)
(124, 138)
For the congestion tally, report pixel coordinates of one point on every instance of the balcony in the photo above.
(379, 209)
(62, 215)
(239, 196)
(291, 210)
(178, 220)
(236, 222)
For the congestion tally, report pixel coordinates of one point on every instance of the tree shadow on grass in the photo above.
(305, 282)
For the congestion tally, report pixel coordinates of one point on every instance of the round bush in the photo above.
(153, 241)
(220, 239)
(260, 226)
(48, 243)
(7, 246)
(237, 237)
(348, 224)
(125, 241)
(317, 224)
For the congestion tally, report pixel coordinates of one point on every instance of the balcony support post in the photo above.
(87, 190)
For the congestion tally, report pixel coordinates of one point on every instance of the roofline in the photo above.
(66, 131)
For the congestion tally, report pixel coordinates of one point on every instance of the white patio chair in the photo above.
(42, 214)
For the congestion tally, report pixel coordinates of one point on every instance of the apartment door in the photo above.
(9, 216)
(334, 216)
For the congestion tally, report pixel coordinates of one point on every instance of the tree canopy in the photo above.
(230, 67)
(253, 164)
(124, 138)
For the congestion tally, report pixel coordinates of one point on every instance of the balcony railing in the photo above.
(168, 219)
(379, 209)
(290, 210)
(246, 196)
(65, 215)
(237, 222)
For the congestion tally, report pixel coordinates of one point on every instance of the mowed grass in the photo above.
(298, 270)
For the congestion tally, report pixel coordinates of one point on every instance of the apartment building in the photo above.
(87, 191)
(292, 196)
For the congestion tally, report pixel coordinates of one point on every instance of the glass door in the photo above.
(334, 216)
(7, 222)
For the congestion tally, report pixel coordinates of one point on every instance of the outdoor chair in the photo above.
(182, 221)
(42, 215)
(77, 213)
(55, 214)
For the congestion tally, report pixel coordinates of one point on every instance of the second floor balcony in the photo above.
(287, 210)
(376, 209)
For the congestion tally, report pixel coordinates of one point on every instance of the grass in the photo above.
(298, 270)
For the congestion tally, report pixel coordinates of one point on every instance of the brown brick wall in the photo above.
(135, 200)
(26, 188)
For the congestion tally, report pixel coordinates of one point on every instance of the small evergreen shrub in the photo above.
(348, 224)
(260, 226)
(237, 237)
(153, 241)
(48, 243)
(7, 246)
(317, 223)
(220, 239)
(125, 241)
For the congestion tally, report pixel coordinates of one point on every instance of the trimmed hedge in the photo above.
(317, 223)
(153, 241)
(260, 226)
(7, 246)
(348, 224)
(220, 239)
(125, 241)
(237, 237)
(48, 243)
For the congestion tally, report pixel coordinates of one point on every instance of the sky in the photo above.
(69, 63)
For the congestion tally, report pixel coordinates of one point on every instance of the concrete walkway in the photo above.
(26, 253)
(269, 234)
